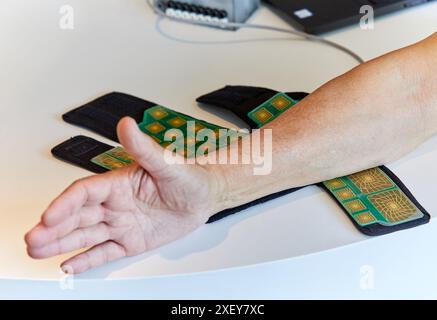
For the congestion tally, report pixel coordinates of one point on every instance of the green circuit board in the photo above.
(159, 120)
(271, 109)
(113, 159)
(371, 197)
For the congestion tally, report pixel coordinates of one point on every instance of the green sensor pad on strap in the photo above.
(156, 122)
(371, 196)
(271, 109)
(113, 159)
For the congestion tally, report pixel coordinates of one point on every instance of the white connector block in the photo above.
(179, 14)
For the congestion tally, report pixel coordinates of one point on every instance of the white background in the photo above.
(117, 45)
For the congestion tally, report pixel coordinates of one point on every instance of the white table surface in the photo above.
(301, 245)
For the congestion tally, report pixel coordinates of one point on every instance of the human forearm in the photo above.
(366, 117)
(369, 116)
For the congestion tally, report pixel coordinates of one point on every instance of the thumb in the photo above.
(147, 152)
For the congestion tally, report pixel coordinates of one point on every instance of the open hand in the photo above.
(128, 211)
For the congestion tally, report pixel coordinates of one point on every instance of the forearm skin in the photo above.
(367, 117)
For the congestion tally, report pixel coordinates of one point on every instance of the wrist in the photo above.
(220, 198)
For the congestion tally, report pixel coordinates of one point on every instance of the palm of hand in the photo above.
(155, 212)
(124, 212)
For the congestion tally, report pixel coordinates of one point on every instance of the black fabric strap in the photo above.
(103, 114)
(242, 99)
(80, 150)
(228, 212)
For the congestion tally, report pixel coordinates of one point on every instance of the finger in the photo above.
(89, 191)
(78, 239)
(143, 148)
(42, 235)
(94, 257)
(91, 215)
